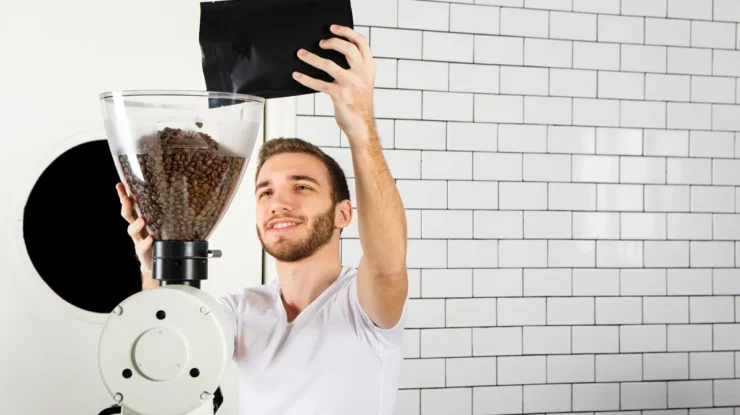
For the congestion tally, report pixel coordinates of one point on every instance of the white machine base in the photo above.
(164, 351)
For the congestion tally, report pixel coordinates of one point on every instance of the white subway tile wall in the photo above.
(571, 174)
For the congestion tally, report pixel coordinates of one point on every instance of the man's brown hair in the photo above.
(282, 145)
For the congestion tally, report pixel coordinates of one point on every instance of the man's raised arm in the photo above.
(382, 279)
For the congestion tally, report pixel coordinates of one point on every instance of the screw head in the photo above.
(204, 396)
(118, 310)
(118, 397)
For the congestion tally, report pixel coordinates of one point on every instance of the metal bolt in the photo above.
(118, 397)
(204, 310)
(118, 310)
(204, 396)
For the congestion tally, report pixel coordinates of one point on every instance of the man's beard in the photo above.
(291, 251)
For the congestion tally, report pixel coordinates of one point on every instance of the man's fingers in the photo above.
(127, 209)
(134, 229)
(121, 189)
(349, 50)
(355, 37)
(315, 84)
(326, 65)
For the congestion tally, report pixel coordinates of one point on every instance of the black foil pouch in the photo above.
(251, 46)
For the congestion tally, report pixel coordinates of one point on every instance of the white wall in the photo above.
(58, 56)
(570, 179)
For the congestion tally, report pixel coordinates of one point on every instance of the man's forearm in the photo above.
(380, 211)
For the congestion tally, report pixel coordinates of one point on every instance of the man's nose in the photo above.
(280, 203)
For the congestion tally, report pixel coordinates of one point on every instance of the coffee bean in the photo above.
(180, 185)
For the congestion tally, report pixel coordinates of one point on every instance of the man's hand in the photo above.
(142, 240)
(352, 89)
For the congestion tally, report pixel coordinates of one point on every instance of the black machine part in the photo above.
(181, 262)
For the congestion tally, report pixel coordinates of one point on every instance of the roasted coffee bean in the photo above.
(181, 183)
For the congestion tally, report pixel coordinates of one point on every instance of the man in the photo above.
(326, 339)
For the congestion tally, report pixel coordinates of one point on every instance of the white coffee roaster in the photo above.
(57, 357)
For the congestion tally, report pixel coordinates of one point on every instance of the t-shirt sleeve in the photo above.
(379, 339)
(230, 304)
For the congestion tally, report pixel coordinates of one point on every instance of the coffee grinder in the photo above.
(181, 156)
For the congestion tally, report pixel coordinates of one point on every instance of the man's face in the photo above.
(295, 212)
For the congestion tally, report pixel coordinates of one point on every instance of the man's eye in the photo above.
(301, 187)
(265, 193)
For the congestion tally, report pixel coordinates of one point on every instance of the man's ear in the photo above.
(343, 214)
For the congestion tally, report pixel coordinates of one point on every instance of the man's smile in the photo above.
(282, 224)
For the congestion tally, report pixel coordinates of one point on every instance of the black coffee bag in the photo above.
(251, 46)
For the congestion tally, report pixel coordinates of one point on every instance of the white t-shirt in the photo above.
(331, 360)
